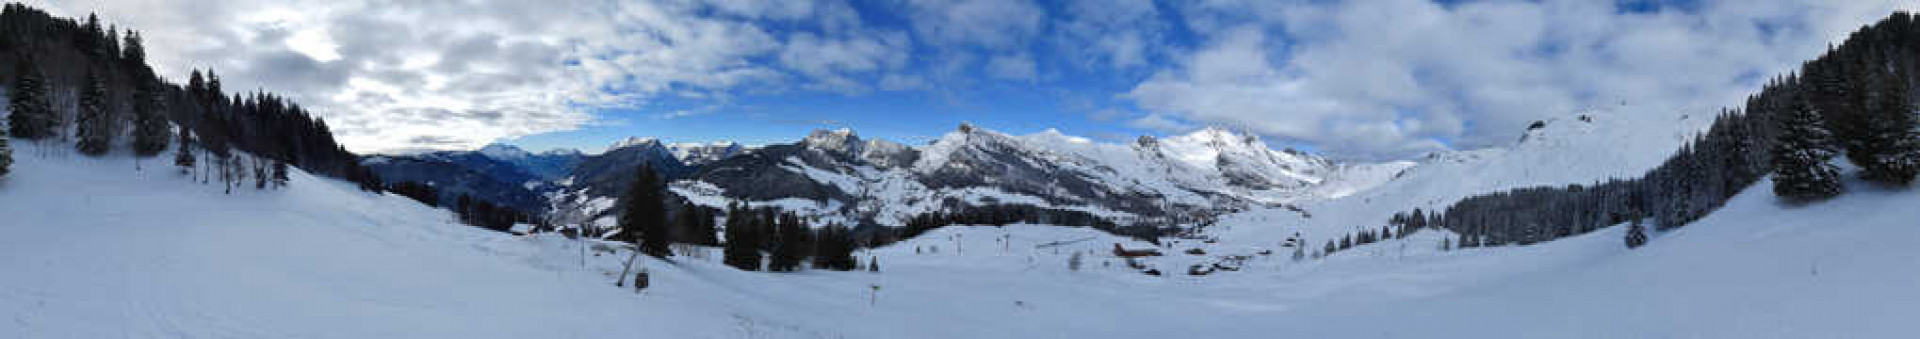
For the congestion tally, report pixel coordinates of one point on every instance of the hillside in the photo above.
(1573, 149)
(113, 255)
(131, 207)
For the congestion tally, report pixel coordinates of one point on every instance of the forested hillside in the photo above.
(88, 83)
(1855, 100)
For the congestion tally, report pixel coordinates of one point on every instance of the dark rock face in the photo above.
(696, 155)
(499, 174)
(994, 160)
(457, 174)
(760, 175)
(609, 174)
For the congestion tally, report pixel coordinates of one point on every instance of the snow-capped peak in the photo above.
(1203, 148)
(633, 141)
(701, 153)
(503, 152)
(1244, 159)
(838, 140)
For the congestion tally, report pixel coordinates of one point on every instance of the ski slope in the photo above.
(94, 249)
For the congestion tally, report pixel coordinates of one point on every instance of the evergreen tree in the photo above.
(1891, 144)
(742, 249)
(150, 132)
(183, 156)
(260, 176)
(32, 117)
(695, 226)
(133, 52)
(833, 249)
(93, 124)
(1801, 156)
(643, 218)
(279, 174)
(1636, 235)
(790, 243)
(6, 155)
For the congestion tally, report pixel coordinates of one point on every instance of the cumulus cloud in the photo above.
(1368, 79)
(1012, 67)
(995, 24)
(1393, 78)
(394, 75)
(1111, 33)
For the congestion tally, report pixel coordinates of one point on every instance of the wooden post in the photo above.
(629, 267)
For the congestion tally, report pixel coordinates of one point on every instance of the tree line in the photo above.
(1855, 100)
(73, 80)
(1005, 214)
(752, 238)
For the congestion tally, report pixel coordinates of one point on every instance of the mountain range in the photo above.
(836, 176)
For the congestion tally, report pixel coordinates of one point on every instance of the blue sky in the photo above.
(1381, 79)
(1068, 91)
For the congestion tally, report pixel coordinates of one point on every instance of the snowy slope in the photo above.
(94, 249)
(1576, 149)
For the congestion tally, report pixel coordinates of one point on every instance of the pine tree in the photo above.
(1636, 235)
(150, 132)
(742, 249)
(32, 117)
(1892, 145)
(833, 249)
(133, 51)
(259, 176)
(643, 218)
(6, 155)
(93, 124)
(695, 226)
(183, 156)
(279, 173)
(1802, 170)
(790, 244)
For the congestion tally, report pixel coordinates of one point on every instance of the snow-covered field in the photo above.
(93, 249)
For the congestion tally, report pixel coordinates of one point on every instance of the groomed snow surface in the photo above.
(93, 249)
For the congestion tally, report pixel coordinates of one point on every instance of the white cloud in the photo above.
(1384, 78)
(1396, 77)
(1160, 123)
(1012, 67)
(993, 24)
(833, 63)
(1114, 33)
(458, 74)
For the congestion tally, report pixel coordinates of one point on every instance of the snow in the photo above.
(504, 152)
(632, 141)
(1208, 147)
(837, 139)
(96, 249)
(844, 182)
(1568, 150)
(702, 153)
